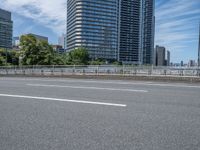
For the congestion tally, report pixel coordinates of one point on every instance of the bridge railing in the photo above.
(100, 70)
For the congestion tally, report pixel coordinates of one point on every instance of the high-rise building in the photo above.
(62, 41)
(93, 24)
(129, 49)
(6, 29)
(112, 29)
(148, 31)
(160, 56)
(137, 23)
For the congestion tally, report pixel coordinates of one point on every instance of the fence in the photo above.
(100, 70)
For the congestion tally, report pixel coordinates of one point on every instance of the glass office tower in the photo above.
(120, 30)
(129, 50)
(148, 31)
(137, 32)
(6, 29)
(93, 24)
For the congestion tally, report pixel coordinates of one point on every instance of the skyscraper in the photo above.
(6, 29)
(93, 24)
(148, 31)
(112, 29)
(137, 23)
(130, 18)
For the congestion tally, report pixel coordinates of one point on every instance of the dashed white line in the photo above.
(87, 87)
(63, 100)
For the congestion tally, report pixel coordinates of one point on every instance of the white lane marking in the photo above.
(63, 100)
(86, 87)
(118, 82)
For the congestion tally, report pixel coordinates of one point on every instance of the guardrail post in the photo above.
(165, 72)
(181, 72)
(149, 72)
(83, 71)
(152, 70)
(74, 68)
(42, 72)
(198, 72)
(62, 71)
(53, 70)
(123, 69)
(97, 71)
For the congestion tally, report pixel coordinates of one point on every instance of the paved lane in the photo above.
(36, 113)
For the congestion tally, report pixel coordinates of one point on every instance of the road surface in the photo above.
(78, 114)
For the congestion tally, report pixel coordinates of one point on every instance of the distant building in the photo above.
(59, 49)
(6, 29)
(62, 41)
(182, 63)
(15, 42)
(39, 37)
(191, 63)
(160, 56)
(168, 58)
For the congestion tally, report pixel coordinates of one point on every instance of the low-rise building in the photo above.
(59, 49)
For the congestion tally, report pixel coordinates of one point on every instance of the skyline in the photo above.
(177, 31)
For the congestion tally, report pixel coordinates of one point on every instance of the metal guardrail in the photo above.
(100, 70)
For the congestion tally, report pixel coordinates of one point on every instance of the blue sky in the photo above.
(177, 22)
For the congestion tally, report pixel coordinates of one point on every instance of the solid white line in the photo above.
(86, 87)
(63, 100)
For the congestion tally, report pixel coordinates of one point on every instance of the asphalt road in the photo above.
(72, 114)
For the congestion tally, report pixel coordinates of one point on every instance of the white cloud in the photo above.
(176, 20)
(177, 24)
(49, 13)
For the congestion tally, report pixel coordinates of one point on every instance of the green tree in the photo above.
(78, 56)
(36, 52)
(2, 61)
(2, 58)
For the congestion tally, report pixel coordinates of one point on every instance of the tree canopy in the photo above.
(38, 52)
(9, 57)
(35, 52)
(79, 56)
